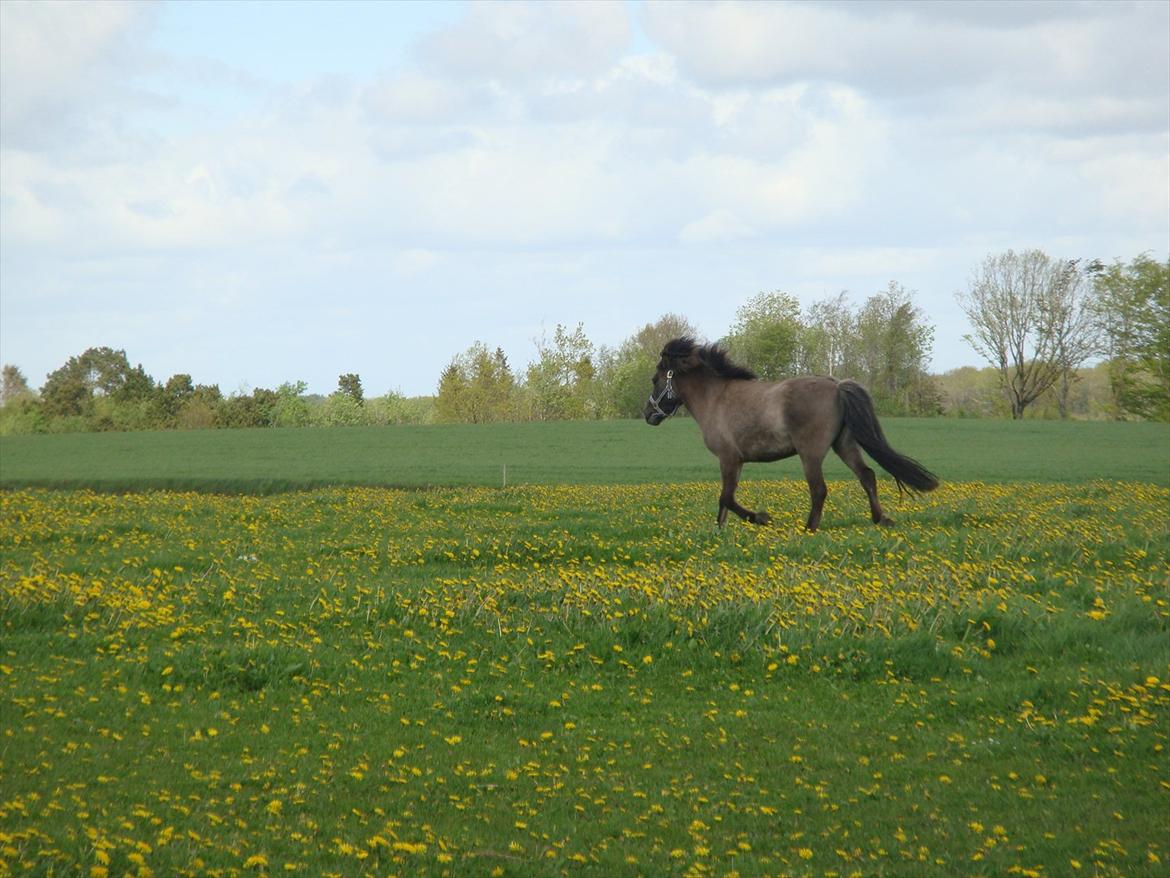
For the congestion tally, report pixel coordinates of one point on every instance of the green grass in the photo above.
(612, 452)
(580, 675)
(585, 680)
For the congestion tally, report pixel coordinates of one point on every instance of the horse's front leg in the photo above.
(730, 470)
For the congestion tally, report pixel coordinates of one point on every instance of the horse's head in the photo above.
(677, 357)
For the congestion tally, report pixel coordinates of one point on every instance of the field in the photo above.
(556, 453)
(583, 677)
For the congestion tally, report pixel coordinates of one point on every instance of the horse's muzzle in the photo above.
(655, 418)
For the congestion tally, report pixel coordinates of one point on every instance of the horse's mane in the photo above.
(713, 357)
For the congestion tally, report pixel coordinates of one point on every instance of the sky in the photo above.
(256, 193)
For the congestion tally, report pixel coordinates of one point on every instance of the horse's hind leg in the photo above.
(730, 471)
(850, 452)
(817, 489)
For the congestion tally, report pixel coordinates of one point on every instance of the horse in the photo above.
(745, 419)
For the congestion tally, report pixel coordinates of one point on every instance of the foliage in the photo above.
(892, 350)
(72, 389)
(477, 682)
(625, 373)
(1032, 321)
(766, 335)
(560, 384)
(257, 409)
(14, 385)
(292, 409)
(350, 384)
(477, 387)
(1133, 307)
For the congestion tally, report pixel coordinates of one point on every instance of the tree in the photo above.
(255, 410)
(491, 391)
(829, 338)
(292, 409)
(14, 385)
(350, 384)
(1031, 320)
(169, 399)
(766, 335)
(452, 389)
(624, 374)
(99, 372)
(201, 409)
(560, 383)
(892, 350)
(477, 387)
(1133, 310)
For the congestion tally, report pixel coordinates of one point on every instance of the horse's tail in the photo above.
(861, 419)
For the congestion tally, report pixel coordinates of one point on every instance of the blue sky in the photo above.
(255, 193)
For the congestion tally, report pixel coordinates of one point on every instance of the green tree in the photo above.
(491, 391)
(449, 402)
(766, 336)
(71, 390)
(20, 409)
(201, 409)
(350, 384)
(394, 408)
(14, 385)
(624, 373)
(292, 409)
(892, 351)
(560, 384)
(1133, 309)
(477, 387)
(257, 409)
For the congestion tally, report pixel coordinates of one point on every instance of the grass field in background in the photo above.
(606, 452)
(584, 678)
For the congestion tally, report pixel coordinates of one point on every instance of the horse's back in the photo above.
(810, 410)
(764, 420)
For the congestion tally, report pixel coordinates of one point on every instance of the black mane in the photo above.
(713, 357)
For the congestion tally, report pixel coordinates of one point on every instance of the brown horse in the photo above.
(744, 419)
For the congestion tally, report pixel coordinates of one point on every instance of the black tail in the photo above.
(861, 419)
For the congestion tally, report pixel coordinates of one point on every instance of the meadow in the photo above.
(556, 452)
(590, 679)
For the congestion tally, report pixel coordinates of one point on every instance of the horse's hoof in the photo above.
(761, 518)
(885, 521)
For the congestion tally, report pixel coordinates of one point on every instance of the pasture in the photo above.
(553, 453)
(582, 676)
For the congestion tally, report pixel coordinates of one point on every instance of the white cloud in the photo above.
(907, 50)
(717, 227)
(60, 64)
(523, 41)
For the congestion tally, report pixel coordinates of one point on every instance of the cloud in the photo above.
(717, 227)
(904, 50)
(62, 66)
(518, 41)
(524, 164)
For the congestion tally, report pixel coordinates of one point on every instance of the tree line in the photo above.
(1061, 337)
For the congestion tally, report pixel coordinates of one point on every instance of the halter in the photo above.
(667, 392)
